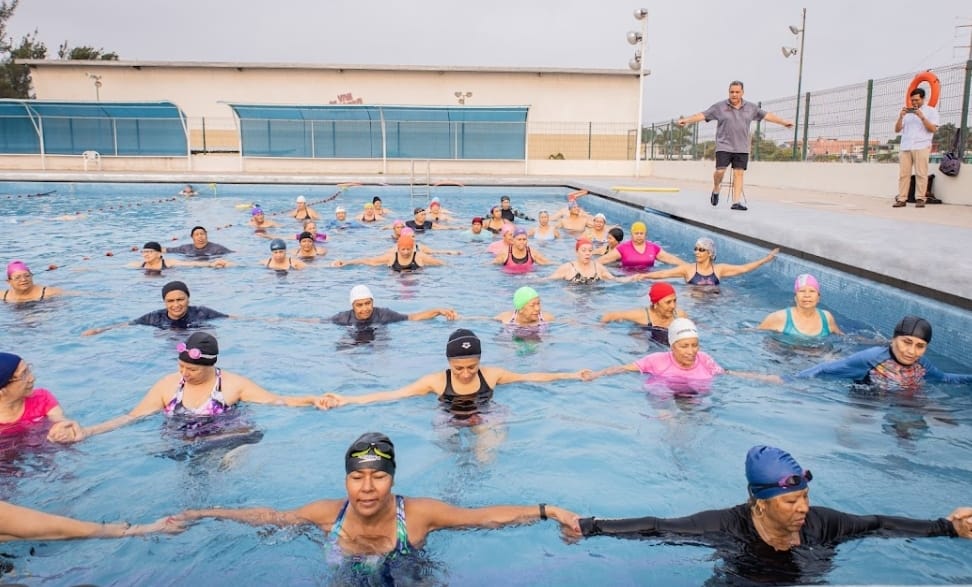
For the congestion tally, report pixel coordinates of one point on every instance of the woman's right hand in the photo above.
(332, 400)
(66, 431)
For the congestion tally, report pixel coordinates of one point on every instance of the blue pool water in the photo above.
(603, 448)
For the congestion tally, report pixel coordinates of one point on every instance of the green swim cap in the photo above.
(524, 295)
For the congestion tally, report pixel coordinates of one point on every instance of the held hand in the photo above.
(449, 314)
(337, 263)
(569, 522)
(320, 402)
(333, 400)
(681, 122)
(167, 525)
(92, 331)
(587, 375)
(961, 520)
(65, 432)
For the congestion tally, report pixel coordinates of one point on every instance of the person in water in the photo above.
(776, 537)
(657, 316)
(805, 318)
(279, 260)
(371, 526)
(202, 391)
(615, 238)
(307, 249)
(21, 286)
(177, 313)
(22, 406)
(575, 221)
(526, 310)
(464, 388)
(519, 257)
(705, 271)
(639, 253)
(154, 262)
(200, 245)
(495, 221)
(404, 257)
(420, 222)
(900, 365)
(259, 221)
(364, 313)
(304, 212)
(584, 270)
(544, 231)
(311, 227)
(476, 229)
(22, 523)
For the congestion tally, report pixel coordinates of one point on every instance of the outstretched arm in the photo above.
(503, 376)
(449, 314)
(94, 331)
(437, 515)
(724, 270)
(20, 523)
(770, 117)
(70, 431)
(666, 257)
(613, 370)
(253, 393)
(678, 271)
(636, 315)
(426, 384)
(697, 117)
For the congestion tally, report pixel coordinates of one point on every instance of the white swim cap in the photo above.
(301, 199)
(361, 292)
(681, 328)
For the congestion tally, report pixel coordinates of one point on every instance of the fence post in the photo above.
(806, 125)
(964, 128)
(653, 135)
(590, 138)
(867, 120)
(671, 123)
(695, 142)
(204, 133)
(759, 136)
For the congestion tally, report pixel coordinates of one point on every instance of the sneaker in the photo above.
(739, 206)
(920, 204)
(899, 204)
(930, 199)
(714, 199)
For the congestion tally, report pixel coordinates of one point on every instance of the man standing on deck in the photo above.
(917, 125)
(732, 138)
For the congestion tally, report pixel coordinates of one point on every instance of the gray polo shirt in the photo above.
(732, 132)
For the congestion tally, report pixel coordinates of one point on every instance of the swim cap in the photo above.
(304, 235)
(174, 286)
(659, 291)
(617, 233)
(524, 295)
(418, 211)
(339, 209)
(406, 241)
(8, 366)
(372, 450)
(518, 231)
(707, 244)
(914, 326)
(463, 343)
(804, 280)
(434, 200)
(398, 222)
(278, 244)
(195, 228)
(681, 328)
(477, 220)
(601, 216)
(407, 231)
(256, 211)
(301, 200)
(368, 206)
(360, 292)
(152, 245)
(507, 228)
(582, 241)
(205, 343)
(639, 226)
(504, 198)
(766, 466)
(16, 267)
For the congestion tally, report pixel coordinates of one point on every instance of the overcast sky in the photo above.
(694, 49)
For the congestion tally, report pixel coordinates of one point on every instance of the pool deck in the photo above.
(909, 248)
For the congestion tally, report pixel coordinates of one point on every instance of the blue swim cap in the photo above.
(278, 244)
(8, 366)
(766, 467)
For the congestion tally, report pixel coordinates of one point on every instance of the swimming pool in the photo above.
(600, 448)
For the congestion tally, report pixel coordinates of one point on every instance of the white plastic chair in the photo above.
(91, 156)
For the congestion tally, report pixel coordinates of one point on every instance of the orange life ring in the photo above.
(932, 80)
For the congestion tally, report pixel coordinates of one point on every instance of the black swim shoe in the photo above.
(739, 206)
(714, 199)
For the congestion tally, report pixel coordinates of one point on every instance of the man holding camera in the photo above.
(917, 125)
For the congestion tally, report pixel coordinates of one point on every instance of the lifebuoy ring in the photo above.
(932, 80)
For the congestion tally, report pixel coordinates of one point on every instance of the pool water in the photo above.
(604, 448)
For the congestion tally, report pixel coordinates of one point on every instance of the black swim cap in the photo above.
(153, 246)
(372, 450)
(200, 348)
(463, 343)
(174, 286)
(914, 326)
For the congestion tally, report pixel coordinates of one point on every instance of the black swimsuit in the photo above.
(467, 405)
(43, 293)
(397, 265)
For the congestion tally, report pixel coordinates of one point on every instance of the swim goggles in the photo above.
(193, 353)
(787, 482)
(381, 448)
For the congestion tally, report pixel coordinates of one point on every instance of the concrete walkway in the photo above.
(923, 250)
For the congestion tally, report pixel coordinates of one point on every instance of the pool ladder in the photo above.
(417, 189)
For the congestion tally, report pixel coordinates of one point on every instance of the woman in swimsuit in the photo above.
(704, 271)
(279, 260)
(544, 231)
(200, 390)
(519, 257)
(307, 250)
(574, 222)
(658, 316)
(21, 523)
(21, 405)
(495, 222)
(404, 257)
(615, 236)
(303, 211)
(259, 222)
(380, 210)
(465, 381)
(368, 214)
(372, 526)
(639, 254)
(311, 227)
(526, 311)
(585, 270)
(154, 262)
(597, 233)
(22, 286)
(437, 213)
(805, 318)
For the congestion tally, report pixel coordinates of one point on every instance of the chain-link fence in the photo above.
(852, 123)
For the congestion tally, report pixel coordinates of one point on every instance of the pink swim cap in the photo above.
(407, 231)
(804, 280)
(16, 267)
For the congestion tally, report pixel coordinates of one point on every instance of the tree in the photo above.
(85, 53)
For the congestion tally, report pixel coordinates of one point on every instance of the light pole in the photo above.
(461, 96)
(788, 52)
(97, 85)
(640, 39)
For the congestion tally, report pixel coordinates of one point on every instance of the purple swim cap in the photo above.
(16, 267)
(804, 280)
(519, 230)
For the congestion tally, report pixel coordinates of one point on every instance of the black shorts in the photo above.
(735, 160)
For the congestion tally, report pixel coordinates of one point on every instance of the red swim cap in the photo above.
(659, 291)
(582, 241)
